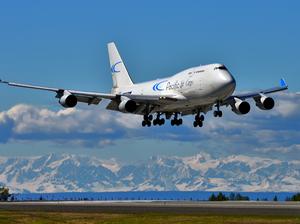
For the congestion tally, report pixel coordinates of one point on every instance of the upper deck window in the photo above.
(221, 67)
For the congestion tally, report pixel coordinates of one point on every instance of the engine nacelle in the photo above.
(264, 103)
(127, 105)
(240, 107)
(68, 100)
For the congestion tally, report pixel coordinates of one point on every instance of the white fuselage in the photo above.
(197, 87)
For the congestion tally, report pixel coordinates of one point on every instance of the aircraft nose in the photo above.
(227, 80)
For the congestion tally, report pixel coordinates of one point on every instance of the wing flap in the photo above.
(154, 99)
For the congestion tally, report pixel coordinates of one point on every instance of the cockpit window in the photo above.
(221, 67)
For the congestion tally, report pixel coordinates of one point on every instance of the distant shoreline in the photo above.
(145, 196)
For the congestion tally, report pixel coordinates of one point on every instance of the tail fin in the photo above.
(120, 75)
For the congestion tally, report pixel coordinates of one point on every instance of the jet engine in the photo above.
(127, 105)
(264, 102)
(68, 100)
(240, 107)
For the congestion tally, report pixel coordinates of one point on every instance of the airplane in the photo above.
(194, 91)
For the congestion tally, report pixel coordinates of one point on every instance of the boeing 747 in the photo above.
(194, 91)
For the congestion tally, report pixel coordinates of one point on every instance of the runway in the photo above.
(176, 207)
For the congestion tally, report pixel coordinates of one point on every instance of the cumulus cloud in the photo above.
(97, 127)
(288, 104)
(25, 122)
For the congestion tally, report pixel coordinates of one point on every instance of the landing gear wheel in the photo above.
(198, 122)
(180, 121)
(172, 122)
(147, 120)
(215, 113)
(218, 113)
(195, 123)
(176, 121)
(161, 121)
(199, 117)
(202, 117)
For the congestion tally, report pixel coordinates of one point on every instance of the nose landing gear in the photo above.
(218, 112)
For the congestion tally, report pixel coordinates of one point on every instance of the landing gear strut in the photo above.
(176, 121)
(198, 120)
(147, 120)
(158, 121)
(218, 112)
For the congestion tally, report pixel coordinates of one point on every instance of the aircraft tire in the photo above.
(215, 113)
(172, 122)
(180, 121)
(202, 117)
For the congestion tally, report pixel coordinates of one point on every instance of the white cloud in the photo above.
(97, 127)
(287, 105)
(30, 119)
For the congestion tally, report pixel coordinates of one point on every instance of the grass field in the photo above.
(7, 217)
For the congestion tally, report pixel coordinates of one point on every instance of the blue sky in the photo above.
(63, 44)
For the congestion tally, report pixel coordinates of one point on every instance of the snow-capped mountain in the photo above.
(58, 173)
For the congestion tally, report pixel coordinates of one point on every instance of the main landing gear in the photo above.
(218, 112)
(198, 120)
(147, 120)
(176, 121)
(158, 121)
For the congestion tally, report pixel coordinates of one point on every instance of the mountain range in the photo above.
(64, 172)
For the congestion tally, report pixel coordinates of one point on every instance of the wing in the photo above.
(95, 97)
(84, 97)
(283, 86)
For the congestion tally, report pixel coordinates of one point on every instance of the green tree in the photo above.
(275, 198)
(232, 196)
(4, 193)
(239, 197)
(221, 197)
(295, 197)
(212, 197)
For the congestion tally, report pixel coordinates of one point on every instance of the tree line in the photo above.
(239, 197)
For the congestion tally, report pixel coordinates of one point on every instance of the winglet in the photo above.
(283, 83)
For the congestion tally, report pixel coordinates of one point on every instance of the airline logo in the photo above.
(157, 87)
(113, 67)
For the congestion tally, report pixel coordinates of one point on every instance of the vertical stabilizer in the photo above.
(119, 72)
